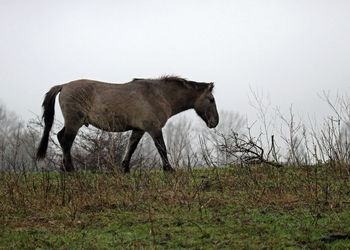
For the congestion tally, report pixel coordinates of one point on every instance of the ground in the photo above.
(235, 207)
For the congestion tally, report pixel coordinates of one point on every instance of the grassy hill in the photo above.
(236, 207)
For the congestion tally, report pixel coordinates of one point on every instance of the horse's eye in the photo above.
(211, 100)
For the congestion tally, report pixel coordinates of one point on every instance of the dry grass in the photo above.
(188, 208)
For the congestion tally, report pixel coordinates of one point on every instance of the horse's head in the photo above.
(205, 107)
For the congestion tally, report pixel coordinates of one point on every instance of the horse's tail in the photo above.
(48, 115)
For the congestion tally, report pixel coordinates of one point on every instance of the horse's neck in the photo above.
(181, 99)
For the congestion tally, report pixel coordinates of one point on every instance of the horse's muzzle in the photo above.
(212, 124)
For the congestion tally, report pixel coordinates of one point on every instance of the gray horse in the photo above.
(142, 105)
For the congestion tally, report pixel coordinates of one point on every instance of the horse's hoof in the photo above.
(68, 170)
(169, 169)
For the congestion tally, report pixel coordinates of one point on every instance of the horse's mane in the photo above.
(179, 81)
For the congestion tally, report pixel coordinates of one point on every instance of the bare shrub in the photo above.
(261, 102)
(243, 149)
(330, 140)
(96, 149)
(210, 142)
(292, 138)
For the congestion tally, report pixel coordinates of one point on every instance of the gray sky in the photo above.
(292, 50)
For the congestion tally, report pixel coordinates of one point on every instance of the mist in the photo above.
(290, 50)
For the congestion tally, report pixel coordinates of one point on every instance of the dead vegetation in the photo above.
(57, 203)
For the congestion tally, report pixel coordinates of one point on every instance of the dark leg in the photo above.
(66, 138)
(160, 145)
(133, 141)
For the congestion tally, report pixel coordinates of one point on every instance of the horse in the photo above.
(141, 105)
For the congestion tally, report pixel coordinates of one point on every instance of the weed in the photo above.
(257, 207)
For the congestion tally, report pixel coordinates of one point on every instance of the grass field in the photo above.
(236, 207)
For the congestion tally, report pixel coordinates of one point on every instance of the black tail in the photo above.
(48, 115)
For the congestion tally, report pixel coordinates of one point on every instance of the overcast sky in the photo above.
(290, 49)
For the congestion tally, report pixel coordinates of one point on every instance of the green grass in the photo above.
(236, 207)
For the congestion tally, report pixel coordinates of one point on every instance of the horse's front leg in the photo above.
(157, 137)
(133, 141)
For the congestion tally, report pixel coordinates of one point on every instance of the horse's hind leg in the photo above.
(66, 137)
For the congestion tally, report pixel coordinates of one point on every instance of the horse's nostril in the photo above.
(212, 124)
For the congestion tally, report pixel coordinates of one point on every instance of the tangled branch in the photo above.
(245, 149)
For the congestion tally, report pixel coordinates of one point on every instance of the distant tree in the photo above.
(180, 136)
(17, 143)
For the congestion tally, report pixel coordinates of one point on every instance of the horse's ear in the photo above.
(211, 86)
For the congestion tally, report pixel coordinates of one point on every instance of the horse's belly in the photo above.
(109, 123)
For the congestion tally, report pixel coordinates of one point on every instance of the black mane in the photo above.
(178, 80)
